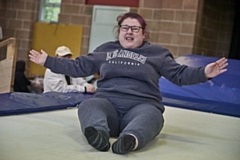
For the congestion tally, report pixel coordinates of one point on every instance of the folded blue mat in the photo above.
(217, 107)
(218, 95)
(20, 103)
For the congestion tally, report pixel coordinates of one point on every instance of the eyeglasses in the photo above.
(134, 29)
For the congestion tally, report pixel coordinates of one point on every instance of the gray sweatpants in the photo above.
(118, 117)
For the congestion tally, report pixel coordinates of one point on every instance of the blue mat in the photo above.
(219, 95)
(20, 103)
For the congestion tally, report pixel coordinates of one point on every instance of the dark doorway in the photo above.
(235, 44)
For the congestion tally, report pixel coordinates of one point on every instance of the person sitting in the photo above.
(21, 83)
(54, 82)
(128, 102)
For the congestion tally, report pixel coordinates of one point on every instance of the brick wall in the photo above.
(214, 29)
(183, 26)
(171, 23)
(76, 12)
(19, 19)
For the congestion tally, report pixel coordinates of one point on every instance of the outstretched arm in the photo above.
(38, 58)
(216, 68)
(79, 67)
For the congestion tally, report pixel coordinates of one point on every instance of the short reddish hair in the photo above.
(136, 16)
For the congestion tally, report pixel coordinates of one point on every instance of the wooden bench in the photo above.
(7, 65)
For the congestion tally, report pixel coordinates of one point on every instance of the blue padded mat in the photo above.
(219, 95)
(20, 103)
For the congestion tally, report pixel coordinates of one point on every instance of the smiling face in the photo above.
(129, 39)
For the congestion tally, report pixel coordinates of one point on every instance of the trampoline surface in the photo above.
(56, 135)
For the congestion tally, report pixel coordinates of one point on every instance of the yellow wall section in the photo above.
(49, 36)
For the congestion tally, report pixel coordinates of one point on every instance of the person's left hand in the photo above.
(216, 68)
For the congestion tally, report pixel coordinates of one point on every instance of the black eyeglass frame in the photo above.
(134, 29)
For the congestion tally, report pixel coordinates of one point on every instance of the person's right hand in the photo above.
(38, 58)
(90, 88)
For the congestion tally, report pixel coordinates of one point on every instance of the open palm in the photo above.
(216, 68)
(38, 58)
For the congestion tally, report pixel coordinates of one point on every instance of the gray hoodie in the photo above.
(129, 73)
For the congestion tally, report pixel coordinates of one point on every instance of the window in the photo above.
(49, 10)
